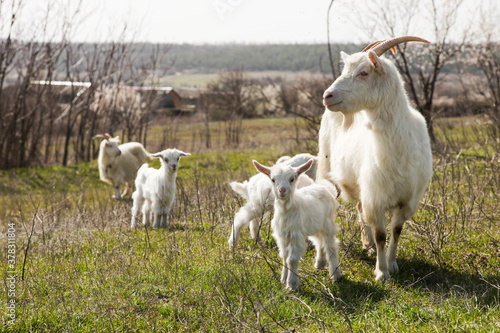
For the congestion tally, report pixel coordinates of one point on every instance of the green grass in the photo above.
(86, 271)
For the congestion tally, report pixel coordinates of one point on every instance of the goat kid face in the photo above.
(358, 87)
(283, 177)
(170, 158)
(111, 146)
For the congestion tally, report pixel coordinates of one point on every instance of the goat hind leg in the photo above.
(135, 211)
(255, 229)
(321, 253)
(241, 219)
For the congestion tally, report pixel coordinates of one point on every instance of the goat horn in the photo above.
(381, 47)
(372, 45)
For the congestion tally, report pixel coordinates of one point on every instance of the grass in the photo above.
(86, 271)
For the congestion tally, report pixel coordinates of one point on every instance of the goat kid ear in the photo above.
(182, 154)
(304, 167)
(343, 55)
(261, 168)
(157, 155)
(375, 61)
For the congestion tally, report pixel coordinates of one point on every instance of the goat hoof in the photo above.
(320, 265)
(381, 276)
(337, 276)
(393, 268)
(292, 285)
(233, 243)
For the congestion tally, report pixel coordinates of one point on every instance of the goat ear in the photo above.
(304, 167)
(183, 153)
(343, 55)
(375, 61)
(265, 170)
(157, 155)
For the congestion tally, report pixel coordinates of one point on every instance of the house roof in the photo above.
(62, 83)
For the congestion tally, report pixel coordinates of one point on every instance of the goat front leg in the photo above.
(399, 216)
(297, 246)
(292, 264)
(284, 272)
(331, 248)
(118, 195)
(366, 232)
(127, 189)
(164, 220)
(376, 220)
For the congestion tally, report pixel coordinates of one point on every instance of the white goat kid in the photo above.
(118, 164)
(302, 213)
(375, 147)
(257, 191)
(155, 189)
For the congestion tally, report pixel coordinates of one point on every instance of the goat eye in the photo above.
(178, 158)
(166, 160)
(363, 74)
(273, 181)
(292, 179)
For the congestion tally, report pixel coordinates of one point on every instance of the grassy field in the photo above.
(80, 268)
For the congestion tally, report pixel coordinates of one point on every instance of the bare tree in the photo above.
(232, 99)
(204, 105)
(37, 114)
(487, 56)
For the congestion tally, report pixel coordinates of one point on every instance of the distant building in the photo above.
(167, 97)
(163, 98)
(67, 91)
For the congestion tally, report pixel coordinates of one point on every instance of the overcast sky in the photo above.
(200, 21)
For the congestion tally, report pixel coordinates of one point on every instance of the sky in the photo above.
(194, 21)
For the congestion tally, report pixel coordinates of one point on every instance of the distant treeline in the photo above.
(214, 58)
(263, 57)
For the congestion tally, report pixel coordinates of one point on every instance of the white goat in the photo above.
(118, 164)
(374, 146)
(155, 189)
(299, 214)
(257, 191)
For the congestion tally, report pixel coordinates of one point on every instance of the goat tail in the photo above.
(240, 188)
(332, 189)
